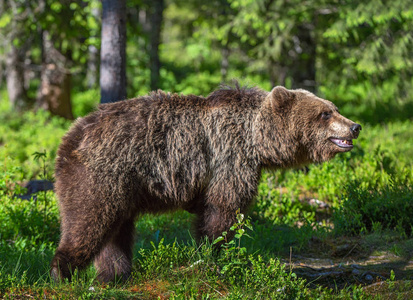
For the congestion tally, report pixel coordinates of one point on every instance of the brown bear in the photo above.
(166, 151)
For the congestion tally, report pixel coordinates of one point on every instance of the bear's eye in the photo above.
(325, 115)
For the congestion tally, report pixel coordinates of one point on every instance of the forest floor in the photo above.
(374, 261)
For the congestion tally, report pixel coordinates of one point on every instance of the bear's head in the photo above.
(312, 128)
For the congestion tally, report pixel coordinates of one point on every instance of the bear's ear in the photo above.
(280, 97)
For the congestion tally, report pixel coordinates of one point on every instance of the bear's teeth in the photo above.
(342, 143)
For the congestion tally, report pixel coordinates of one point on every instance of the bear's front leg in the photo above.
(232, 192)
(214, 220)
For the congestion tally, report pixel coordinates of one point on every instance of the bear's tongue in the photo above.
(342, 143)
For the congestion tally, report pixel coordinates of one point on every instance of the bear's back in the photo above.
(166, 144)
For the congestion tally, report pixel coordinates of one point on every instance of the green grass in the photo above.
(366, 193)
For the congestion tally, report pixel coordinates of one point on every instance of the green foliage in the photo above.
(361, 48)
(22, 135)
(27, 240)
(386, 30)
(162, 259)
(9, 175)
(367, 46)
(282, 208)
(358, 52)
(269, 280)
(13, 280)
(234, 257)
(243, 275)
(29, 223)
(85, 102)
(365, 210)
(253, 24)
(65, 22)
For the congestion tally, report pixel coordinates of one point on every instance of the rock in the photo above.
(34, 186)
(368, 277)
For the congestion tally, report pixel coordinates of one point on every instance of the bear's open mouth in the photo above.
(342, 143)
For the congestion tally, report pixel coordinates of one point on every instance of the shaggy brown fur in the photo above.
(165, 151)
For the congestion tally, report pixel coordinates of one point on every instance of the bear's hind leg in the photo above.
(83, 237)
(75, 252)
(115, 259)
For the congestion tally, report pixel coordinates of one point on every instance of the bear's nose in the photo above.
(355, 129)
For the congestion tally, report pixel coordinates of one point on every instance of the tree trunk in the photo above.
(277, 72)
(113, 51)
(155, 38)
(304, 72)
(54, 92)
(15, 78)
(15, 62)
(92, 67)
(224, 62)
(55, 87)
(93, 58)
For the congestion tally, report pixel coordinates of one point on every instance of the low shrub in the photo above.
(366, 210)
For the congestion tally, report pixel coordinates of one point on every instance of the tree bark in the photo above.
(93, 58)
(55, 87)
(113, 51)
(304, 69)
(15, 78)
(92, 67)
(155, 39)
(224, 62)
(277, 72)
(15, 62)
(54, 92)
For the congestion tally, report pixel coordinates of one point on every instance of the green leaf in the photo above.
(5, 20)
(219, 239)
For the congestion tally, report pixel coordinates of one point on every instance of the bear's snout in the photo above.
(355, 130)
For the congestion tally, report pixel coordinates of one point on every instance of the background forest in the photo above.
(338, 230)
(356, 53)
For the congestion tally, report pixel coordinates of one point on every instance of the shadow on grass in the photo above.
(324, 258)
(313, 253)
